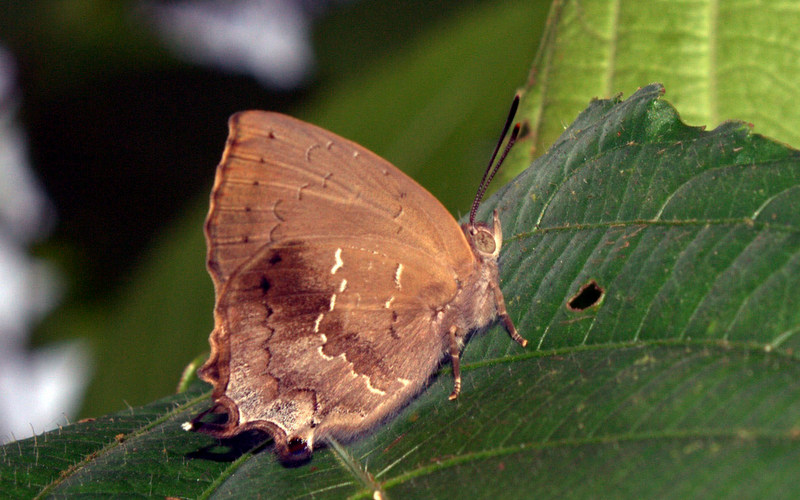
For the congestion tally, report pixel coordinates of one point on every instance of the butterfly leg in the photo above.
(506, 319)
(455, 361)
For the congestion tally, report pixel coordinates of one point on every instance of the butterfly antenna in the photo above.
(489, 173)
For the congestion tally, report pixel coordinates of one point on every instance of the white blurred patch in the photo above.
(42, 389)
(25, 212)
(28, 289)
(269, 39)
(39, 388)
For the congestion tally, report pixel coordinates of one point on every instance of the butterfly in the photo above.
(341, 284)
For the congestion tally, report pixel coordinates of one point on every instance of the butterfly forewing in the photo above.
(281, 179)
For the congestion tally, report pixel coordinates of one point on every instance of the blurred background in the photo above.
(113, 118)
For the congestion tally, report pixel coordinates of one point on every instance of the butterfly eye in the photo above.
(484, 241)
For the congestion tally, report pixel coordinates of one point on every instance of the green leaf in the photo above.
(718, 59)
(681, 379)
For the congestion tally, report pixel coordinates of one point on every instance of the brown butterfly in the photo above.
(341, 284)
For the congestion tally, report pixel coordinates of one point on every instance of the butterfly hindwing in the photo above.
(360, 352)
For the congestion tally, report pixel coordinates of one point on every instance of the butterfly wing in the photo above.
(330, 267)
(281, 178)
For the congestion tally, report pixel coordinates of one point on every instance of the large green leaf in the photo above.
(681, 379)
(719, 60)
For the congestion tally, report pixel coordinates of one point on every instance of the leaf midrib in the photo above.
(741, 433)
(105, 450)
(744, 347)
(584, 226)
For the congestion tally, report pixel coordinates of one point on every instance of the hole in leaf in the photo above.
(589, 295)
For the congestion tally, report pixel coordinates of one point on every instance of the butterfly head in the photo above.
(485, 240)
